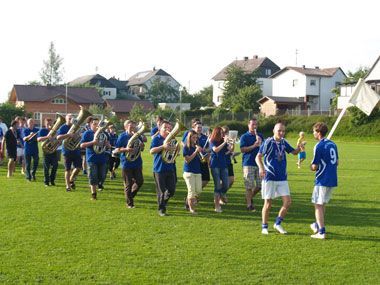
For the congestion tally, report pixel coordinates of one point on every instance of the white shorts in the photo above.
(194, 184)
(321, 195)
(273, 189)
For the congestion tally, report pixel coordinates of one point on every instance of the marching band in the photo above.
(105, 150)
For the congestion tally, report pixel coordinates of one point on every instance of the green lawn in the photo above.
(50, 236)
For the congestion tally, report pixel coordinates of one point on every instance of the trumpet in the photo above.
(32, 138)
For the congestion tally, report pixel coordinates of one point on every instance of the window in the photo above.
(58, 101)
(260, 83)
(337, 83)
(106, 93)
(37, 116)
(219, 99)
(313, 82)
(295, 82)
(268, 71)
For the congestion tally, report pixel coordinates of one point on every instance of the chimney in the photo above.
(317, 67)
(255, 56)
(245, 58)
(303, 66)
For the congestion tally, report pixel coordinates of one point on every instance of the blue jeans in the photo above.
(28, 161)
(220, 176)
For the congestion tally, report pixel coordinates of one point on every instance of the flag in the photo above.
(364, 97)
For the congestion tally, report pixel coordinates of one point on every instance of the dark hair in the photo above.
(217, 135)
(89, 120)
(190, 134)
(320, 128)
(225, 129)
(14, 122)
(253, 119)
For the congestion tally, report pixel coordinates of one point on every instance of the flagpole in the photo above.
(337, 122)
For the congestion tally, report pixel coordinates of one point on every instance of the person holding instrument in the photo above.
(31, 150)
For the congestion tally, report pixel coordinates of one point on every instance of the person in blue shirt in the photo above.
(71, 157)
(229, 154)
(96, 162)
(218, 166)
(192, 169)
(20, 142)
(50, 159)
(249, 145)
(156, 130)
(273, 173)
(31, 150)
(163, 172)
(325, 165)
(114, 160)
(131, 162)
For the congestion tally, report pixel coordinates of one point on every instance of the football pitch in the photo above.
(53, 237)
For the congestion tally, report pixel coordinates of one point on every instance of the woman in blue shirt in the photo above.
(192, 169)
(218, 165)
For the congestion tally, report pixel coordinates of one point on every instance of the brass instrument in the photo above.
(204, 155)
(32, 138)
(232, 140)
(51, 144)
(135, 143)
(101, 137)
(73, 143)
(169, 156)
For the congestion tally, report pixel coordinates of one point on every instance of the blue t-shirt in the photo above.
(91, 155)
(218, 160)
(31, 147)
(249, 139)
(43, 132)
(122, 141)
(158, 164)
(326, 157)
(275, 158)
(1, 133)
(153, 131)
(62, 131)
(194, 166)
(112, 139)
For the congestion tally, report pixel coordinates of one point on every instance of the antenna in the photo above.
(297, 56)
(96, 69)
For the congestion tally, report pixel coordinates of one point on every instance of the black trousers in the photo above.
(50, 160)
(113, 162)
(165, 187)
(133, 180)
(28, 161)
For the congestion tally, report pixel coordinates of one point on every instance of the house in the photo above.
(271, 106)
(122, 108)
(140, 83)
(263, 65)
(108, 90)
(46, 101)
(312, 85)
(174, 106)
(372, 78)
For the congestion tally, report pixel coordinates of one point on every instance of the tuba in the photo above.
(169, 156)
(73, 143)
(51, 144)
(101, 137)
(135, 143)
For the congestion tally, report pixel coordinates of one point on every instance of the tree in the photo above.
(100, 110)
(161, 91)
(51, 73)
(241, 90)
(354, 77)
(137, 113)
(9, 111)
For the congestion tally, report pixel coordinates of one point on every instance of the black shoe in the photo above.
(187, 208)
(251, 208)
(100, 187)
(93, 196)
(68, 189)
(52, 183)
(34, 178)
(72, 185)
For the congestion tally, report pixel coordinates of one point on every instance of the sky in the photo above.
(190, 39)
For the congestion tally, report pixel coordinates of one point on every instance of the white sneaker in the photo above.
(218, 210)
(280, 229)
(264, 231)
(314, 227)
(318, 236)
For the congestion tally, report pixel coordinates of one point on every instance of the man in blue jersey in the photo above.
(325, 163)
(156, 130)
(131, 162)
(71, 157)
(249, 145)
(50, 159)
(96, 162)
(164, 173)
(274, 175)
(31, 150)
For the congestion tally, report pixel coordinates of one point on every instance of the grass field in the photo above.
(50, 236)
